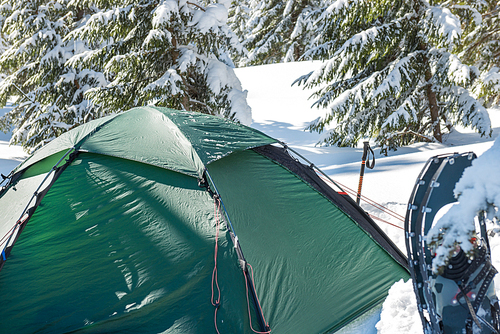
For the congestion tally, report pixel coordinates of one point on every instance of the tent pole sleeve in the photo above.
(312, 165)
(45, 179)
(29, 211)
(264, 327)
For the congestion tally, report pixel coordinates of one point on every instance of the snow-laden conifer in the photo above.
(172, 53)
(279, 31)
(390, 72)
(239, 16)
(48, 95)
(4, 44)
(75, 60)
(481, 44)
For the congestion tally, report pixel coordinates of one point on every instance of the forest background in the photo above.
(396, 72)
(392, 72)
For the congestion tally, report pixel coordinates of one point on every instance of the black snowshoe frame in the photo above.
(433, 190)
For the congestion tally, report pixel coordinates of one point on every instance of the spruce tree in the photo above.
(172, 53)
(4, 46)
(279, 31)
(239, 16)
(72, 61)
(481, 44)
(48, 94)
(391, 73)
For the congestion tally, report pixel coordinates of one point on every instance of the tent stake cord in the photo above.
(221, 202)
(249, 282)
(343, 187)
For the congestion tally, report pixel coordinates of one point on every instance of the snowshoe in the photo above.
(461, 298)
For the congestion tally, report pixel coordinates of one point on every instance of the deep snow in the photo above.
(282, 111)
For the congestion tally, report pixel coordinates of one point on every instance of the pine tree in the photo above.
(4, 45)
(481, 44)
(165, 53)
(239, 16)
(48, 94)
(278, 31)
(391, 73)
(72, 61)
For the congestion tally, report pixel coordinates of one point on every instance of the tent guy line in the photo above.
(344, 189)
(218, 204)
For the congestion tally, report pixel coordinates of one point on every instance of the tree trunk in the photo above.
(175, 55)
(432, 100)
(433, 106)
(436, 126)
(298, 49)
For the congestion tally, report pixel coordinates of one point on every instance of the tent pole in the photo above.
(220, 199)
(312, 165)
(21, 221)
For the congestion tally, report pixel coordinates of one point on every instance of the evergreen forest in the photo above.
(396, 72)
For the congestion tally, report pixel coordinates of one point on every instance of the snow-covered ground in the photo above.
(10, 156)
(282, 111)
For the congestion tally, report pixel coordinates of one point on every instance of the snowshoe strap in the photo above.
(486, 275)
(484, 287)
(478, 260)
(470, 307)
(495, 314)
(490, 327)
(472, 284)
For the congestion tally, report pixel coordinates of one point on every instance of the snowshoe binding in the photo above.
(460, 299)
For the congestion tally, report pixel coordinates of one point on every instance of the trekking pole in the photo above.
(364, 162)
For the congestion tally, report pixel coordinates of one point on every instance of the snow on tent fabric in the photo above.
(121, 235)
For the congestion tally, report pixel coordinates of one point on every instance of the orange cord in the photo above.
(372, 203)
(216, 303)
(248, 304)
(214, 273)
(385, 221)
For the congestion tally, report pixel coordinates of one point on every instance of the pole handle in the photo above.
(365, 162)
(367, 151)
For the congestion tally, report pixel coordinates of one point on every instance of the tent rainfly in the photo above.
(161, 221)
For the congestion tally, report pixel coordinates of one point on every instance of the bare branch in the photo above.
(196, 5)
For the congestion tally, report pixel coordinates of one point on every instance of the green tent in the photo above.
(161, 221)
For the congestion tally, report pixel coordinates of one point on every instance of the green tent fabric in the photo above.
(166, 138)
(142, 208)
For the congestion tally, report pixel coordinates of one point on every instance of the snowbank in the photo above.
(283, 111)
(399, 313)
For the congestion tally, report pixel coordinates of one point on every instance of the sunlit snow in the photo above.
(283, 111)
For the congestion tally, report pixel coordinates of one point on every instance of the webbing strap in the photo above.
(476, 263)
(471, 308)
(487, 273)
(480, 276)
(484, 287)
